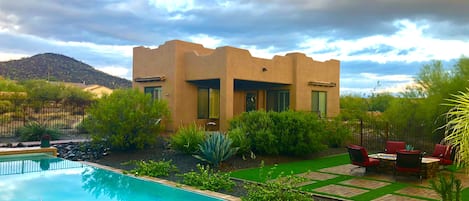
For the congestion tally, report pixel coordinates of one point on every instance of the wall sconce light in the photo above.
(264, 69)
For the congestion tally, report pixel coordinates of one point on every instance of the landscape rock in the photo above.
(84, 151)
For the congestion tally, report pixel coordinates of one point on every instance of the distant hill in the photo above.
(56, 67)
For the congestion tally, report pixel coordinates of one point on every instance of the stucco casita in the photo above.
(181, 69)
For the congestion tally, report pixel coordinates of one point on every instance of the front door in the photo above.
(251, 101)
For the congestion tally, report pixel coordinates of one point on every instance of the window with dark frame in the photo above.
(319, 103)
(208, 103)
(278, 100)
(154, 91)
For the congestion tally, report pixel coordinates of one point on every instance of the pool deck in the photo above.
(32, 147)
(173, 184)
(28, 150)
(37, 143)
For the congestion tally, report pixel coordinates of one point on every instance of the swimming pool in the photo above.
(42, 177)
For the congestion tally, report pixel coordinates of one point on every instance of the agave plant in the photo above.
(215, 149)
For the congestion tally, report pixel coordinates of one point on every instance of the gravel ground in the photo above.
(186, 163)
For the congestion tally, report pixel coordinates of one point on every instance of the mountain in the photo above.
(56, 67)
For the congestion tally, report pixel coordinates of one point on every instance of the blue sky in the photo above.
(382, 44)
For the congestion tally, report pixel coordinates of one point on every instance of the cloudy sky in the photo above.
(382, 44)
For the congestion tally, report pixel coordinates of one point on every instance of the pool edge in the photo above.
(169, 183)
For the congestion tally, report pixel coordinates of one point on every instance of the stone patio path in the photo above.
(366, 182)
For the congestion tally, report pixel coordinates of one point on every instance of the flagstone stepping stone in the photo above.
(343, 191)
(365, 183)
(421, 192)
(344, 170)
(317, 176)
(391, 197)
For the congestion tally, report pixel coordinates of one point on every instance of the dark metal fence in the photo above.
(28, 166)
(373, 134)
(64, 118)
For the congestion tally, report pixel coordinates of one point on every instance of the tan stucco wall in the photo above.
(180, 62)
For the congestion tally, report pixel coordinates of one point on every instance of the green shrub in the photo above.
(152, 168)
(33, 131)
(81, 126)
(298, 133)
(240, 139)
(5, 106)
(284, 133)
(207, 179)
(337, 135)
(188, 138)
(216, 149)
(126, 119)
(257, 125)
(448, 190)
(280, 189)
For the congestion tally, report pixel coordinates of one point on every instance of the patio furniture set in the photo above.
(396, 159)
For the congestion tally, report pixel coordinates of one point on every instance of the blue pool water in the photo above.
(41, 177)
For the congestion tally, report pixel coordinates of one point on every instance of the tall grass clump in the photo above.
(188, 138)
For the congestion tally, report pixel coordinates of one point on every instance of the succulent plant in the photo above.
(215, 149)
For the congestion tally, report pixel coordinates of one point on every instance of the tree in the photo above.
(75, 96)
(353, 107)
(379, 101)
(126, 119)
(41, 91)
(423, 104)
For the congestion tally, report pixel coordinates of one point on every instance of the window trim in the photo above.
(213, 111)
(159, 94)
(318, 111)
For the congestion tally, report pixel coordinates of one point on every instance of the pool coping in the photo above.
(170, 183)
(28, 150)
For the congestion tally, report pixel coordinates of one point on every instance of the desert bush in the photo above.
(126, 119)
(207, 179)
(215, 149)
(258, 127)
(152, 168)
(33, 131)
(240, 139)
(298, 133)
(5, 106)
(284, 133)
(81, 126)
(337, 135)
(188, 138)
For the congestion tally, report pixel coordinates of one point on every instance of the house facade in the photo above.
(211, 86)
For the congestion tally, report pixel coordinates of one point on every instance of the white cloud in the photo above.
(393, 78)
(5, 56)
(206, 40)
(119, 71)
(123, 50)
(408, 44)
(266, 53)
(173, 5)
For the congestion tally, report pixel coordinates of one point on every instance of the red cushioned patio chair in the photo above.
(359, 156)
(393, 146)
(444, 153)
(409, 162)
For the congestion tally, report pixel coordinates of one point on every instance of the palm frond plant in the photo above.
(457, 126)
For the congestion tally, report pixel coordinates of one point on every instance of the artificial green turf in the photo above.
(258, 174)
